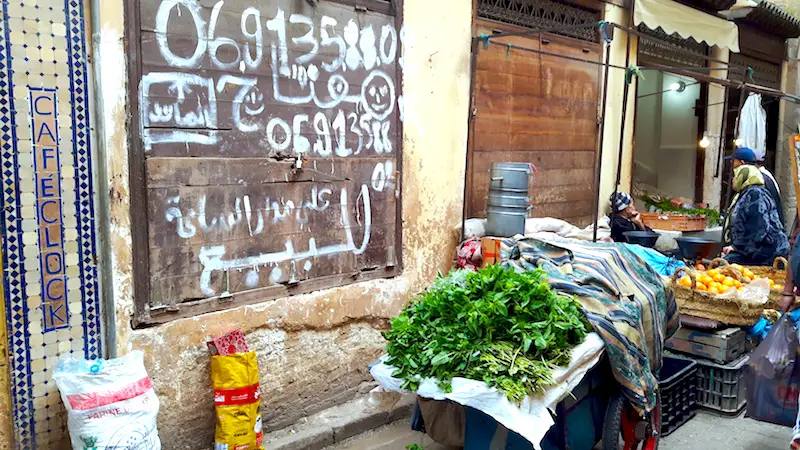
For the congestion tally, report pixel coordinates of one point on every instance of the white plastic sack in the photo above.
(474, 228)
(110, 403)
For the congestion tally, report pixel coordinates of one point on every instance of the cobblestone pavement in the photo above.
(704, 432)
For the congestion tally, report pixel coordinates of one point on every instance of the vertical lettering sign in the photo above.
(47, 177)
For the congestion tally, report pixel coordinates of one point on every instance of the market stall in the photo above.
(553, 321)
(514, 341)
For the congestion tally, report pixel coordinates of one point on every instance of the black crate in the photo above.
(721, 387)
(678, 385)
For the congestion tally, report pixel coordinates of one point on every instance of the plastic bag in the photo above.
(238, 402)
(110, 403)
(771, 376)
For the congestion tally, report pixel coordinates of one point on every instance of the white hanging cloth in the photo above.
(753, 126)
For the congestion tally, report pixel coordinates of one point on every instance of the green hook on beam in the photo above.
(485, 39)
(633, 71)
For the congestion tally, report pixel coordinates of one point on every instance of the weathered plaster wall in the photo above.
(313, 349)
(613, 119)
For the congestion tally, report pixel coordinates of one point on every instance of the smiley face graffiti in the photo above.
(378, 95)
(254, 102)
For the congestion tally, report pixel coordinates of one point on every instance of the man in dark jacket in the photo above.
(772, 186)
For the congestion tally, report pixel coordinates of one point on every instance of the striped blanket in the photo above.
(624, 299)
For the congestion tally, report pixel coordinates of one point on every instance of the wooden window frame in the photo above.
(386, 7)
(143, 315)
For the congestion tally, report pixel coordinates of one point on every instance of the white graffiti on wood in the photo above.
(322, 50)
(186, 108)
(273, 83)
(212, 257)
(197, 218)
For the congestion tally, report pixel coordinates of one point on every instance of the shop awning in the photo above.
(687, 22)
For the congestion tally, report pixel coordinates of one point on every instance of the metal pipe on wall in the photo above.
(625, 93)
(475, 48)
(109, 323)
(723, 129)
(742, 96)
(599, 165)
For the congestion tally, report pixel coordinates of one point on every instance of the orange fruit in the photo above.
(712, 273)
(728, 281)
(685, 281)
(748, 273)
(701, 287)
(740, 289)
(719, 278)
(771, 282)
(713, 290)
(737, 283)
(778, 287)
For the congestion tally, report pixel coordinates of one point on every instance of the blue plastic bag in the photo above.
(661, 263)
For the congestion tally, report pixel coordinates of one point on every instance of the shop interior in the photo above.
(668, 124)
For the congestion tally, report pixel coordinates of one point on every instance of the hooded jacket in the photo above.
(753, 226)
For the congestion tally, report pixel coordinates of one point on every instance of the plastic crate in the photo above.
(678, 383)
(721, 387)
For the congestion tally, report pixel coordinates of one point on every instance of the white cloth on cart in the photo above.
(531, 419)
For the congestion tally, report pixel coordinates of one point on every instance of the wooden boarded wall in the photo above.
(540, 109)
(268, 162)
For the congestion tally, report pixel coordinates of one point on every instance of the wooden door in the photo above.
(541, 109)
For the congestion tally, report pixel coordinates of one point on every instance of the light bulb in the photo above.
(737, 142)
(704, 143)
(678, 86)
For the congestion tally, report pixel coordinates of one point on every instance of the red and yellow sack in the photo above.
(238, 402)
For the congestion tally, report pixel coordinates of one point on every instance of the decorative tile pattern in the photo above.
(43, 50)
(13, 261)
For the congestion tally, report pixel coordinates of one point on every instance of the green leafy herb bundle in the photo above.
(665, 205)
(505, 328)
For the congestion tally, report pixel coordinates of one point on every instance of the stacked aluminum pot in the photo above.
(508, 203)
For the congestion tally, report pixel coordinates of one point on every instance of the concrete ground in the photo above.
(704, 432)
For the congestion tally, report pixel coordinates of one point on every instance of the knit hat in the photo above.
(620, 201)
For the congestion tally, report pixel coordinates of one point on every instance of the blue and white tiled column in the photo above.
(48, 223)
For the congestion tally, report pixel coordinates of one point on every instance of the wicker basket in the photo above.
(703, 304)
(674, 222)
(775, 274)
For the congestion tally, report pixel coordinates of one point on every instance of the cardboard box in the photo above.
(490, 250)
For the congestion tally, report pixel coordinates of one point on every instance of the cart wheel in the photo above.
(624, 430)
